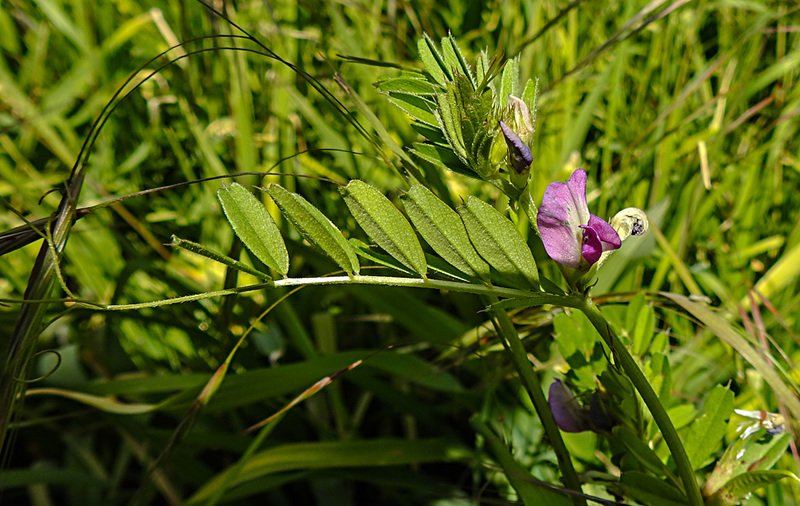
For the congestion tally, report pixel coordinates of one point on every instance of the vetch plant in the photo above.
(476, 126)
(466, 110)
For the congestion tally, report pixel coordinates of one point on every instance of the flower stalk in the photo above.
(508, 334)
(650, 398)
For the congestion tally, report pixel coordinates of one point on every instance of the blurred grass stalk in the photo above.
(30, 322)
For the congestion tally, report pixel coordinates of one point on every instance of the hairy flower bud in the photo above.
(519, 154)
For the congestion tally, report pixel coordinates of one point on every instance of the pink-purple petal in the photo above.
(606, 232)
(569, 415)
(560, 240)
(592, 247)
(577, 189)
(560, 216)
(569, 232)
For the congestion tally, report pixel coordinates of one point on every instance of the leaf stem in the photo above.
(637, 377)
(533, 297)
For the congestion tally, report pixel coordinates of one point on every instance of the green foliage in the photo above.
(384, 224)
(315, 227)
(255, 227)
(498, 242)
(443, 230)
(706, 433)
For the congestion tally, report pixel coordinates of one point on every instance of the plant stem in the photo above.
(534, 297)
(531, 382)
(650, 398)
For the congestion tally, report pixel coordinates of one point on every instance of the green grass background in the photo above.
(692, 116)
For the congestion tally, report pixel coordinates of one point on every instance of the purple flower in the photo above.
(518, 152)
(570, 416)
(571, 235)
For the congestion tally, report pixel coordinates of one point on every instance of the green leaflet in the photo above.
(442, 229)
(650, 490)
(510, 80)
(643, 330)
(742, 457)
(433, 60)
(481, 66)
(384, 224)
(707, 431)
(751, 481)
(416, 107)
(406, 85)
(499, 243)
(454, 59)
(254, 226)
(443, 157)
(315, 227)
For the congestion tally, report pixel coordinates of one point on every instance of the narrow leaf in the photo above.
(431, 133)
(315, 227)
(384, 224)
(433, 60)
(499, 243)
(336, 454)
(107, 404)
(510, 80)
(417, 107)
(751, 481)
(651, 490)
(407, 85)
(443, 157)
(449, 120)
(194, 247)
(643, 330)
(481, 66)
(454, 59)
(254, 226)
(442, 229)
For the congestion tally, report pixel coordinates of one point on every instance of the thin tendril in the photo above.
(45, 376)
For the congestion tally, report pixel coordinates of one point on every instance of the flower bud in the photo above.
(519, 154)
(630, 221)
(522, 121)
(569, 415)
